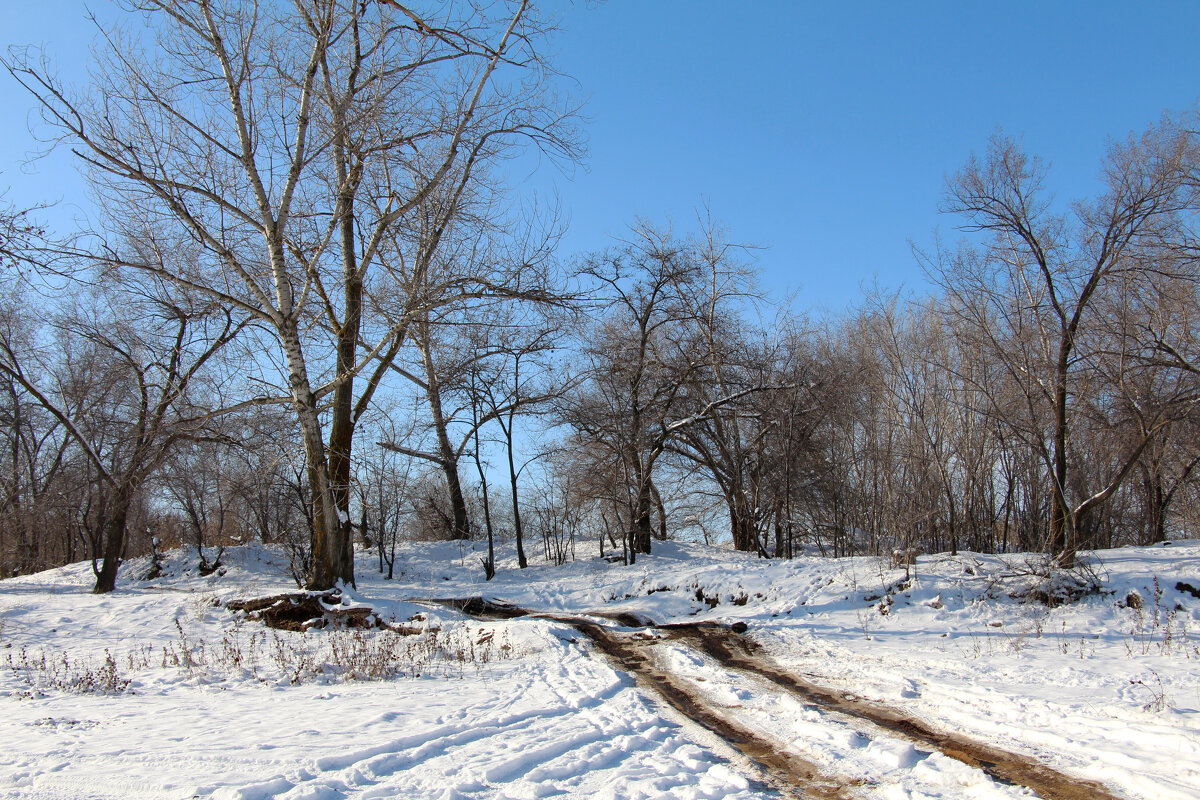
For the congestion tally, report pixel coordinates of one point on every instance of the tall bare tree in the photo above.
(1041, 274)
(289, 145)
(635, 382)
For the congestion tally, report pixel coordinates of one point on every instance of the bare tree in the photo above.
(1041, 274)
(203, 482)
(635, 381)
(122, 379)
(517, 381)
(386, 484)
(40, 480)
(289, 144)
(650, 353)
(493, 273)
(19, 235)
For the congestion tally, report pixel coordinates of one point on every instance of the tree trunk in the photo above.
(518, 529)
(1062, 534)
(643, 531)
(489, 569)
(458, 505)
(489, 566)
(781, 547)
(332, 554)
(331, 559)
(741, 525)
(114, 540)
(461, 526)
(341, 435)
(1156, 509)
(661, 509)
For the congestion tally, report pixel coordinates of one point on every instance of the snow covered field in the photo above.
(158, 691)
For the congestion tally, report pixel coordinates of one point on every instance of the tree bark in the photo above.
(114, 540)
(518, 528)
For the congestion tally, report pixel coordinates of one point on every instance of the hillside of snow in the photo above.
(160, 691)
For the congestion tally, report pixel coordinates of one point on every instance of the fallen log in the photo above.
(302, 611)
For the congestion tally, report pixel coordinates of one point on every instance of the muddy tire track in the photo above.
(741, 654)
(785, 772)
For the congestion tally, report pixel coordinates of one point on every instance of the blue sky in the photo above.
(822, 132)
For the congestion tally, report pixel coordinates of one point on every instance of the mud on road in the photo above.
(785, 772)
(741, 654)
(628, 648)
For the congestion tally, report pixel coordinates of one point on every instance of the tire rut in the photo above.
(785, 772)
(790, 774)
(741, 654)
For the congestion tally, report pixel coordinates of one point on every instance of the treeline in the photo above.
(1043, 399)
(312, 313)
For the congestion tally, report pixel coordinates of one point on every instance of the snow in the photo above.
(164, 693)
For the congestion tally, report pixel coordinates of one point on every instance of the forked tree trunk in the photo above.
(332, 555)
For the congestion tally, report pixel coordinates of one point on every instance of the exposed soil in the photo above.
(481, 607)
(741, 654)
(786, 772)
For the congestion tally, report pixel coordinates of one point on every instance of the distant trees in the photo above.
(42, 487)
(517, 382)
(1045, 399)
(121, 374)
(642, 352)
(1036, 291)
(478, 364)
(1030, 404)
(728, 433)
(669, 376)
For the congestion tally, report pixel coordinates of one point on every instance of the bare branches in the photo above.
(1038, 290)
(277, 158)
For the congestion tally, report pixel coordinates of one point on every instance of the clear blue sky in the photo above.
(821, 131)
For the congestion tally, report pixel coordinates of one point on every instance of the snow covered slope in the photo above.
(159, 691)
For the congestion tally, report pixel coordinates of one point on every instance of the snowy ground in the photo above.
(158, 691)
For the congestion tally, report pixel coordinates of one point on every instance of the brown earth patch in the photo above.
(742, 654)
(785, 772)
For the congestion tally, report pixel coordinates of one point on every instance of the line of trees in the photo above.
(312, 313)
(1044, 398)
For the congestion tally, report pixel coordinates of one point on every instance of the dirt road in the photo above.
(631, 646)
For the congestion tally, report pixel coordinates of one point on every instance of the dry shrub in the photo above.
(345, 654)
(45, 670)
